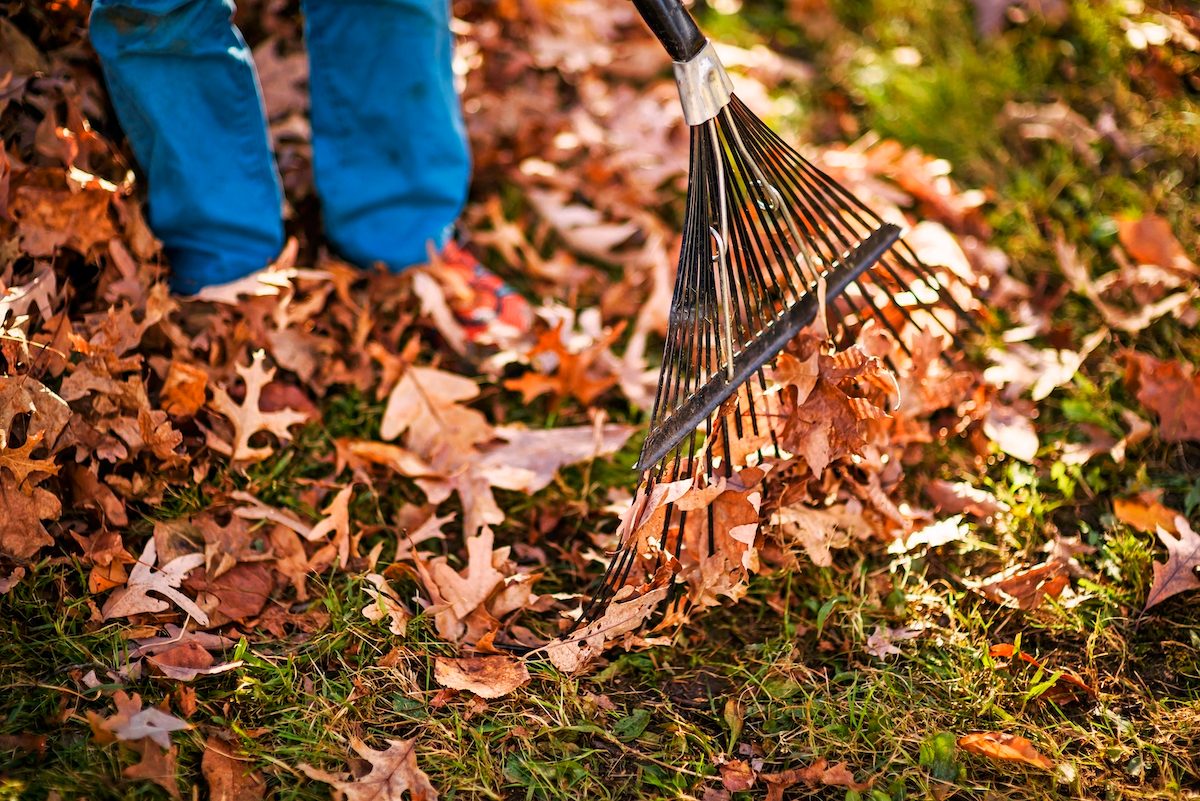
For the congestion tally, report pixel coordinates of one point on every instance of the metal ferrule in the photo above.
(704, 86)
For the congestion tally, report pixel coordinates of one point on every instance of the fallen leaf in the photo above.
(393, 771)
(247, 418)
(622, 616)
(528, 460)
(186, 661)
(485, 676)
(1149, 240)
(24, 512)
(1012, 431)
(134, 598)
(1008, 651)
(565, 373)
(132, 722)
(1005, 747)
(386, 604)
(737, 776)
(1026, 589)
(819, 773)
(230, 778)
(951, 529)
(184, 390)
(1170, 389)
(1145, 513)
(156, 765)
(233, 596)
(882, 642)
(1181, 571)
(958, 497)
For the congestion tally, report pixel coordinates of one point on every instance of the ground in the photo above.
(788, 675)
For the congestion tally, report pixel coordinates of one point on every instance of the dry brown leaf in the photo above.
(1145, 513)
(1181, 571)
(1005, 747)
(230, 778)
(386, 604)
(1170, 389)
(248, 418)
(819, 773)
(528, 460)
(393, 771)
(485, 676)
(623, 615)
(134, 597)
(187, 660)
(427, 403)
(184, 389)
(23, 512)
(1149, 240)
(131, 722)
(737, 776)
(960, 497)
(1027, 588)
(26, 395)
(156, 765)
(563, 373)
(233, 596)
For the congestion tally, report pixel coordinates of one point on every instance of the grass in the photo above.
(784, 676)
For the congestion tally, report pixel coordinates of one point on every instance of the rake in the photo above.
(769, 242)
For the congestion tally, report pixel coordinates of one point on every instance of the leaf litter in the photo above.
(116, 396)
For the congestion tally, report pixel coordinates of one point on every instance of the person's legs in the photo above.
(390, 152)
(184, 87)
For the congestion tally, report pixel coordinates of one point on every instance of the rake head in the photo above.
(769, 243)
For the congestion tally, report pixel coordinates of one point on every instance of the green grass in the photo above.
(784, 675)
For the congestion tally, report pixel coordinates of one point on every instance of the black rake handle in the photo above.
(673, 26)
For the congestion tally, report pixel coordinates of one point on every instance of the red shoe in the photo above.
(488, 309)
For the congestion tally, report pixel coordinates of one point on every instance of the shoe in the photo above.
(488, 309)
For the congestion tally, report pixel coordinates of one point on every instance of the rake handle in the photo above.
(674, 27)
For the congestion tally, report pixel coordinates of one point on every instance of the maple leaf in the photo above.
(393, 771)
(134, 598)
(1181, 571)
(463, 593)
(1005, 747)
(1170, 389)
(247, 418)
(132, 722)
(485, 676)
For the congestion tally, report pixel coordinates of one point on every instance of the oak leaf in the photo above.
(393, 771)
(247, 418)
(21, 463)
(564, 373)
(622, 616)
(26, 395)
(23, 533)
(156, 765)
(134, 598)
(132, 722)
(1027, 588)
(184, 390)
(1005, 747)
(386, 604)
(1181, 571)
(485, 676)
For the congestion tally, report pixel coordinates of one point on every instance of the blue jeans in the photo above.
(390, 154)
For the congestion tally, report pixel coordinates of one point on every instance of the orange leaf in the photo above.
(1008, 651)
(1005, 747)
(1144, 513)
(1170, 389)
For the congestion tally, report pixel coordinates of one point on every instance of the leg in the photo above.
(390, 153)
(183, 84)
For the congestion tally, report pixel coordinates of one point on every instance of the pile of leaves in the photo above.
(201, 459)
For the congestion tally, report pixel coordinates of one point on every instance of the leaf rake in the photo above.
(769, 243)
